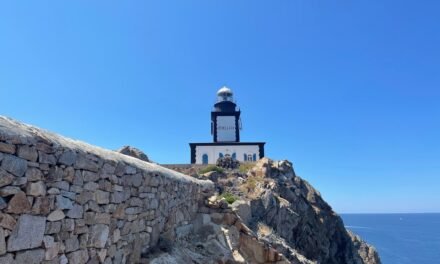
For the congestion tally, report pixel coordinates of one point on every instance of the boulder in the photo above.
(133, 152)
(242, 209)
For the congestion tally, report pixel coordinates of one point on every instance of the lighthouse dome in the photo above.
(224, 94)
(224, 90)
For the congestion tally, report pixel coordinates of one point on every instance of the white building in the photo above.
(225, 129)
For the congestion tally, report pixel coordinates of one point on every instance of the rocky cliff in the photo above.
(287, 213)
(65, 201)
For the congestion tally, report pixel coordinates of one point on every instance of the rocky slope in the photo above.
(287, 213)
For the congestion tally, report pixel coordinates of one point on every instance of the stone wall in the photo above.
(64, 201)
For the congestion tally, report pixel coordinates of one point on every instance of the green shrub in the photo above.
(211, 168)
(229, 197)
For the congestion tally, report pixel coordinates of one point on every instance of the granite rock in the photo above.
(98, 235)
(35, 256)
(133, 152)
(28, 153)
(56, 215)
(36, 189)
(28, 233)
(14, 165)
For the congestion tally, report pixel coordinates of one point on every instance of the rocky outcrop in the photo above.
(291, 215)
(64, 201)
(276, 217)
(133, 152)
(217, 235)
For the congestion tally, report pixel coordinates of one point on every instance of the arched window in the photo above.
(205, 159)
(249, 157)
(255, 157)
(234, 156)
(220, 155)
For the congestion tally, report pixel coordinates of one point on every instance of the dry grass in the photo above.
(252, 186)
(264, 230)
(245, 167)
(210, 168)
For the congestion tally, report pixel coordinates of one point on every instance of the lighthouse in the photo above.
(225, 130)
(225, 118)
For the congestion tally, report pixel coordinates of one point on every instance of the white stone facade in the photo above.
(252, 153)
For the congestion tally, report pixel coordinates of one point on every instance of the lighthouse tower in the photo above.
(225, 118)
(225, 130)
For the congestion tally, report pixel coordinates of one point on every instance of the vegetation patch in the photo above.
(252, 186)
(245, 167)
(229, 197)
(210, 168)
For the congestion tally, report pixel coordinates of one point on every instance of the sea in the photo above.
(399, 238)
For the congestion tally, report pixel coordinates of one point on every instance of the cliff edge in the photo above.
(286, 212)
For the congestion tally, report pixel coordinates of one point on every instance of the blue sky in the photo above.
(349, 91)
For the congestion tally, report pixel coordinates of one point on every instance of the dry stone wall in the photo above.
(64, 201)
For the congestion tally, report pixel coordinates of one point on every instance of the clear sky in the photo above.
(349, 91)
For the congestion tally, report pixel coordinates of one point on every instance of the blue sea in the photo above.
(399, 238)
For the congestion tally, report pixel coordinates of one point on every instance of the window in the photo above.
(234, 156)
(249, 157)
(205, 159)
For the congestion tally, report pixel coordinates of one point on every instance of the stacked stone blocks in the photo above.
(67, 202)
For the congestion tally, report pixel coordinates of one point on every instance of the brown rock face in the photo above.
(5, 178)
(19, 204)
(297, 214)
(7, 148)
(7, 221)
